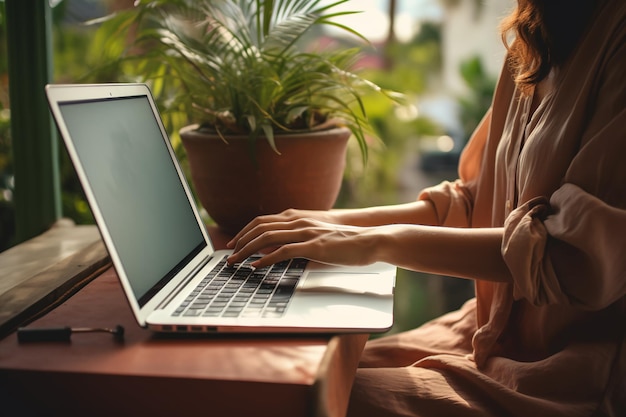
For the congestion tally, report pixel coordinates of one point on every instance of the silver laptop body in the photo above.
(155, 236)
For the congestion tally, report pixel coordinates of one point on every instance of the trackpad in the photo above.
(346, 283)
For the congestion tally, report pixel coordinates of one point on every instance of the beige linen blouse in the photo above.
(553, 342)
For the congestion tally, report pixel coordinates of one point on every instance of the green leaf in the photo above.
(240, 65)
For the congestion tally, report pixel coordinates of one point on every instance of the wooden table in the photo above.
(153, 375)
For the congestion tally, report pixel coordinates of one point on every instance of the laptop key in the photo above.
(192, 313)
(233, 290)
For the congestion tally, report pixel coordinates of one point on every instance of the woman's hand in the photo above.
(288, 235)
(286, 216)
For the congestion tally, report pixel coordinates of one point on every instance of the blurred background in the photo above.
(445, 55)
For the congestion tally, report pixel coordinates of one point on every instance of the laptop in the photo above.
(159, 244)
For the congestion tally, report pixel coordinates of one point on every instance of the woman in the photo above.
(537, 219)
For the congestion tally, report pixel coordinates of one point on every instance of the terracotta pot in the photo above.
(233, 189)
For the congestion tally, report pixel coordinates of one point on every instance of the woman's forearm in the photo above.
(417, 212)
(459, 252)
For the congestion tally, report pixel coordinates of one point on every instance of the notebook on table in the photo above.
(171, 275)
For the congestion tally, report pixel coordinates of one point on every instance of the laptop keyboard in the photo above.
(241, 291)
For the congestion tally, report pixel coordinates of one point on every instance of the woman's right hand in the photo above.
(324, 242)
(327, 216)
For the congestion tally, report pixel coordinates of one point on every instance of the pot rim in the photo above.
(194, 130)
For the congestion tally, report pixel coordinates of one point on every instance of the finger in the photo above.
(289, 251)
(269, 231)
(260, 238)
(284, 216)
(271, 258)
(254, 223)
(273, 235)
(257, 231)
(251, 225)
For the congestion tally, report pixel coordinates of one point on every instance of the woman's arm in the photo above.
(473, 253)
(416, 212)
(461, 252)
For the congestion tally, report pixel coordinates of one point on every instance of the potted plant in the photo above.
(269, 119)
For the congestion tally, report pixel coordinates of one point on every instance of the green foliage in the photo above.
(475, 104)
(240, 66)
(409, 68)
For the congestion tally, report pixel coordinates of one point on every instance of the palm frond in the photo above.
(238, 65)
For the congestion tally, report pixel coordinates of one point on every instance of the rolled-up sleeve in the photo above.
(523, 248)
(452, 203)
(575, 254)
(596, 276)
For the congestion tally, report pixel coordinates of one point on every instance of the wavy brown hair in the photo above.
(544, 34)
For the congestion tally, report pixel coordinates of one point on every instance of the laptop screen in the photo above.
(137, 188)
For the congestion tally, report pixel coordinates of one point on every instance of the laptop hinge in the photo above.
(184, 282)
